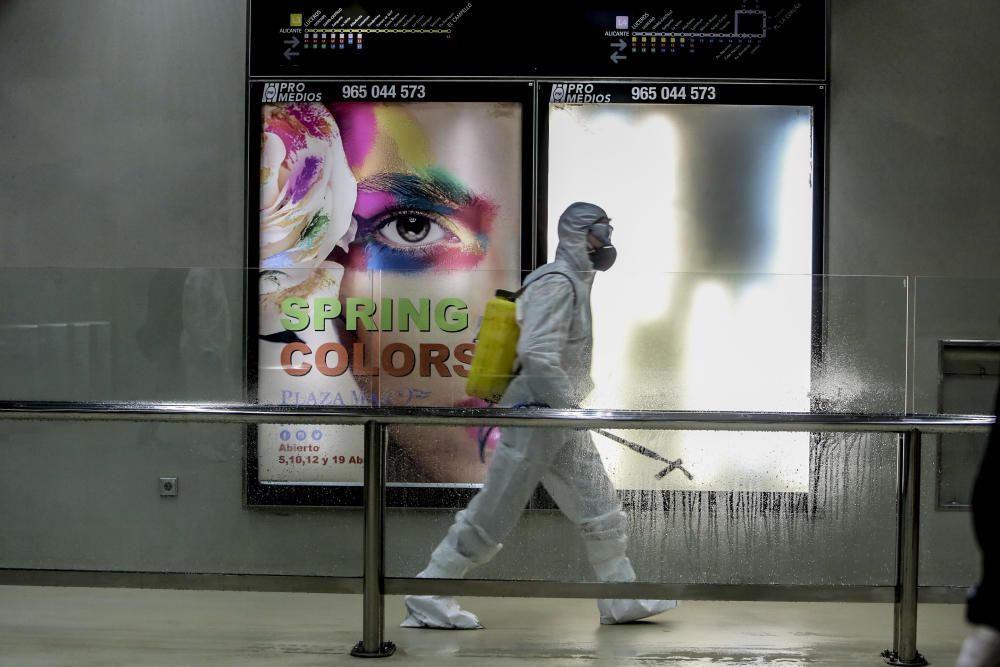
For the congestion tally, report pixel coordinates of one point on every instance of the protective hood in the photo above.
(573, 226)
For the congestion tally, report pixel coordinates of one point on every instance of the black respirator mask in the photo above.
(604, 256)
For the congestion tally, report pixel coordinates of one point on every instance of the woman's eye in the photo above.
(412, 229)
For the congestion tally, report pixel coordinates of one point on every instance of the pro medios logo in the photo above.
(577, 93)
(284, 91)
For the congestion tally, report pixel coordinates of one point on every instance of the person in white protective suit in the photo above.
(552, 369)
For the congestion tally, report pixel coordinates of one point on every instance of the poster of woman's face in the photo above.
(384, 229)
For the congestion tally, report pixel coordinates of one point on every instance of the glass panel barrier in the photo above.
(741, 507)
(757, 507)
(956, 370)
(122, 334)
(87, 495)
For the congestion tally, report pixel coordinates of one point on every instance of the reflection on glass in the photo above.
(693, 191)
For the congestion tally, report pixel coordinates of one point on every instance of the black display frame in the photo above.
(812, 95)
(349, 494)
(535, 95)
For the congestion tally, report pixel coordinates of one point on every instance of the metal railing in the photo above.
(904, 594)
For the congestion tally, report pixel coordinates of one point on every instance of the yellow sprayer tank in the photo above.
(496, 346)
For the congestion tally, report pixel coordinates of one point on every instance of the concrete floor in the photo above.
(86, 627)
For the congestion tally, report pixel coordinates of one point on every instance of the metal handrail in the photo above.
(375, 419)
(680, 420)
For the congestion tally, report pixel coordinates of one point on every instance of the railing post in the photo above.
(373, 644)
(904, 640)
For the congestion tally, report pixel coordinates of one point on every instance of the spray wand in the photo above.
(645, 451)
(484, 434)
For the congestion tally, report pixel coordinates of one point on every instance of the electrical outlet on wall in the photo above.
(168, 486)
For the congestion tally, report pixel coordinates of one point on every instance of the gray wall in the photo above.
(125, 125)
(914, 166)
(914, 151)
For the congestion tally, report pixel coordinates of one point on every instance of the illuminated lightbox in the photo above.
(384, 226)
(710, 305)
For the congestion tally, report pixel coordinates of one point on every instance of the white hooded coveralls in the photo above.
(553, 368)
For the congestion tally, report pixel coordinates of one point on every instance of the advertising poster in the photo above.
(386, 221)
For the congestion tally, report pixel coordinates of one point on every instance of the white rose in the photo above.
(307, 198)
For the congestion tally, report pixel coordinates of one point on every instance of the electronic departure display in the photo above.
(766, 39)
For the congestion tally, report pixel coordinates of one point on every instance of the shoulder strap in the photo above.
(518, 293)
(572, 284)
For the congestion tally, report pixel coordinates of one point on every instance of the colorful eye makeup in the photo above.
(419, 221)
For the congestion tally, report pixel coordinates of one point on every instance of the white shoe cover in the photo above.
(436, 611)
(614, 611)
(981, 648)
